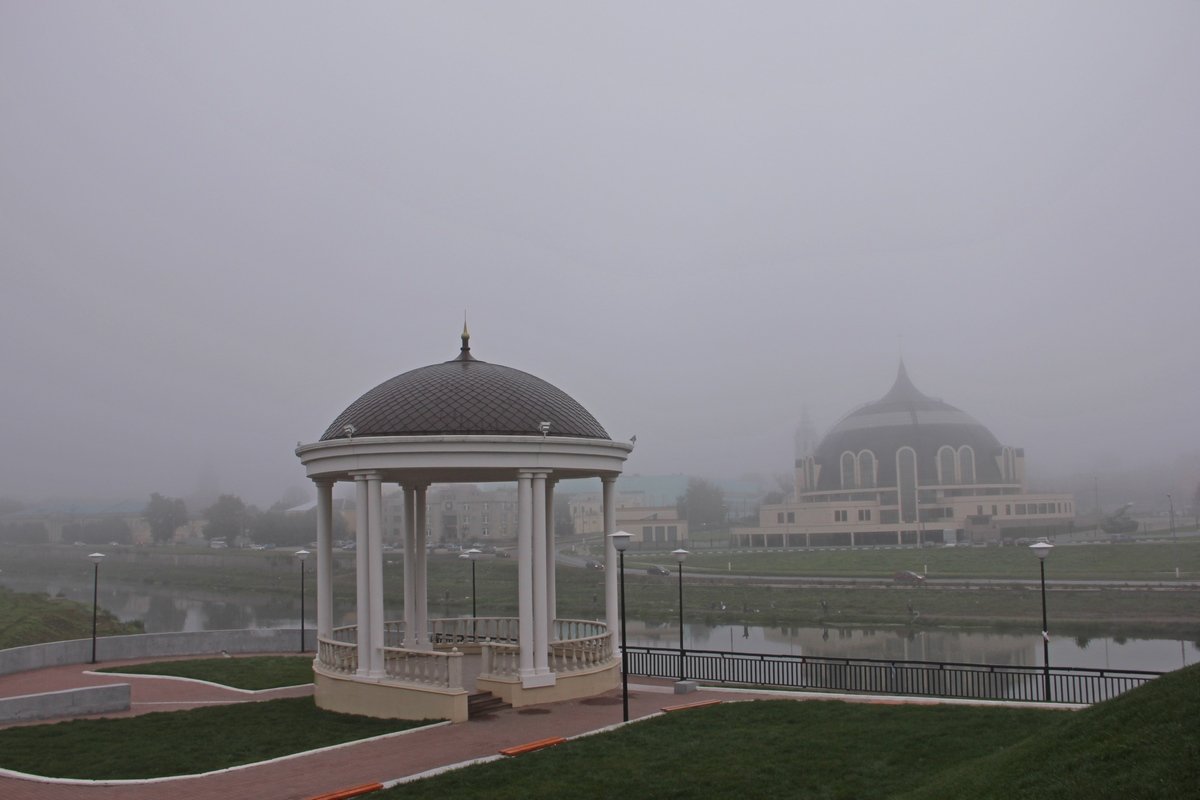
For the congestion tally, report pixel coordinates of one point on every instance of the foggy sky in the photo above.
(220, 223)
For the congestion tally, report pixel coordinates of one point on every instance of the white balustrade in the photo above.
(393, 633)
(337, 656)
(579, 645)
(499, 660)
(347, 634)
(441, 670)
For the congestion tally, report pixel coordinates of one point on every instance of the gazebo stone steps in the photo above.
(481, 703)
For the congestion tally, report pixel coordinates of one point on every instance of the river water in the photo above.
(164, 612)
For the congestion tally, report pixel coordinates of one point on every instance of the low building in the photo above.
(653, 525)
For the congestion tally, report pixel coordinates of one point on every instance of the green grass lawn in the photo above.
(1145, 744)
(183, 742)
(1125, 561)
(765, 749)
(27, 618)
(249, 672)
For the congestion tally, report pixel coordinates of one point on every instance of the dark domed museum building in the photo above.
(909, 469)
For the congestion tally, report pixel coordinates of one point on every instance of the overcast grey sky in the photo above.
(221, 222)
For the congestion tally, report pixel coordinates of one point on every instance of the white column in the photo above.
(611, 610)
(410, 561)
(324, 557)
(525, 616)
(375, 560)
(551, 588)
(362, 579)
(541, 663)
(421, 588)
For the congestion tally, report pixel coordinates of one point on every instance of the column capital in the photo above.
(608, 478)
(322, 481)
(366, 474)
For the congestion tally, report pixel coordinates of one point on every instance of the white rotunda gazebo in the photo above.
(462, 421)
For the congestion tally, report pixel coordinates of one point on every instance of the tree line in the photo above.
(230, 518)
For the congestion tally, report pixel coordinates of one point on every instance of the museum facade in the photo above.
(909, 469)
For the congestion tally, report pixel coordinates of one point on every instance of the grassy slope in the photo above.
(1144, 744)
(818, 749)
(250, 672)
(35, 618)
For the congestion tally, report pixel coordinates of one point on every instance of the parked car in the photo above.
(907, 576)
(657, 570)
(594, 565)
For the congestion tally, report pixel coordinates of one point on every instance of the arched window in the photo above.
(848, 481)
(946, 471)
(906, 483)
(866, 469)
(966, 464)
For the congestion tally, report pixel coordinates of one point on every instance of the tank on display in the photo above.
(1119, 521)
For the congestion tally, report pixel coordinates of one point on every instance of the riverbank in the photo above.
(254, 588)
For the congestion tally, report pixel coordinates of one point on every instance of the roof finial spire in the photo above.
(464, 353)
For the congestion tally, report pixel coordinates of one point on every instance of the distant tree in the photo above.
(702, 505)
(226, 518)
(164, 515)
(1196, 505)
(773, 498)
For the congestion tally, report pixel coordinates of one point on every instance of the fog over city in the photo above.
(221, 223)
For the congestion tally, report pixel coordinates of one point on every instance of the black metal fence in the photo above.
(881, 676)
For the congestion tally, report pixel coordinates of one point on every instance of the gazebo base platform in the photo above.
(352, 694)
(370, 698)
(565, 686)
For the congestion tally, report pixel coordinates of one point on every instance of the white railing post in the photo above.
(454, 678)
(485, 659)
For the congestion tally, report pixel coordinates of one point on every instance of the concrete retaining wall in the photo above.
(67, 703)
(152, 645)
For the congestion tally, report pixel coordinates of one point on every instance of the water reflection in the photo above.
(163, 612)
(919, 644)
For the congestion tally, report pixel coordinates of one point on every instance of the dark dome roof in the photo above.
(906, 417)
(465, 397)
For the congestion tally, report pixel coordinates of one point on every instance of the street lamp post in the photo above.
(1174, 538)
(620, 541)
(1041, 550)
(302, 555)
(680, 555)
(96, 559)
(473, 554)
